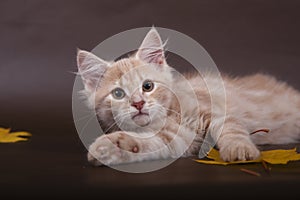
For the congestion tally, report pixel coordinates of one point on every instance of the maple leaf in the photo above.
(7, 137)
(278, 156)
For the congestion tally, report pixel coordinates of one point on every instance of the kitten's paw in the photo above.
(112, 149)
(239, 150)
(103, 151)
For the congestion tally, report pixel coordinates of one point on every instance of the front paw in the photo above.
(112, 149)
(239, 150)
(103, 151)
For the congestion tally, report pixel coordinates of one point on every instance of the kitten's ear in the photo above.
(152, 49)
(91, 68)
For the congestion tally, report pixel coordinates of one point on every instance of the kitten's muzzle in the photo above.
(140, 114)
(141, 119)
(138, 105)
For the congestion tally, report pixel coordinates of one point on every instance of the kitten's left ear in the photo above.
(152, 49)
(91, 68)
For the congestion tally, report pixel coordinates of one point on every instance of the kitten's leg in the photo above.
(234, 142)
(120, 147)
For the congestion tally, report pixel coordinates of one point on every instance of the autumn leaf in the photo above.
(278, 156)
(7, 137)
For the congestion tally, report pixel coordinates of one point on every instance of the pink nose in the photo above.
(138, 105)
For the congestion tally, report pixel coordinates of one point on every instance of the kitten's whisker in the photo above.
(168, 118)
(91, 114)
(84, 117)
(119, 119)
(168, 109)
(173, 111)
(87, 122)
(121, 115)
(112, 125)
(104, 109)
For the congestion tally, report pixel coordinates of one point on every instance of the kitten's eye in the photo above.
(118, 93)
(148, 86)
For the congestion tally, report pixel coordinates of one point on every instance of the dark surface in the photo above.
(38, 46)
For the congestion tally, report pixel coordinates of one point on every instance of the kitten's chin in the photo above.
(141, 120)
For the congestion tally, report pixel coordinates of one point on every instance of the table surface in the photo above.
(55, 165)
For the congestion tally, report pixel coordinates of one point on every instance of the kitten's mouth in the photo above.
(140, 114)
(141, 119)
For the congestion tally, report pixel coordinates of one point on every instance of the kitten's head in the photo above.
(132, 93)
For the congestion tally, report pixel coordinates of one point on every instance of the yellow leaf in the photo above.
(279, 156)
(7, 137)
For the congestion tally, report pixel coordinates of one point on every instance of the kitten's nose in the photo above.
(138, 105)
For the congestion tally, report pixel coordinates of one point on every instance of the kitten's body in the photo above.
(170, 129)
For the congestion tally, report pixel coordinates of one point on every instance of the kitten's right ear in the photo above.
(91, 68)
(152, 48)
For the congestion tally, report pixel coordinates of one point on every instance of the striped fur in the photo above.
(175, 125)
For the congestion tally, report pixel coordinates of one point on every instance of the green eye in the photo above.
(118, 93)
(148, 86)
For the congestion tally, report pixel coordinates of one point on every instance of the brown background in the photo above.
(38, 41)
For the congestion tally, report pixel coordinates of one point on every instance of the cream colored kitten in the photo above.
(149, 113)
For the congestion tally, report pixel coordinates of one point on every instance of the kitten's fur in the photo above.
(252, 103)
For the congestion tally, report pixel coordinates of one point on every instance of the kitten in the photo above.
(149, 114)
